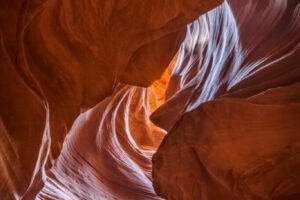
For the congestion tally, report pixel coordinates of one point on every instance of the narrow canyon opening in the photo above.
(85, 116)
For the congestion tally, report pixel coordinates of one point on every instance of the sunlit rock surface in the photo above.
(104, 155)
(75, 113)
(233, 118)
(60, 58)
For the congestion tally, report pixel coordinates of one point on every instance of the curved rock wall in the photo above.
(62, 57)
(105, 156)
(75, 116)
(234, 123)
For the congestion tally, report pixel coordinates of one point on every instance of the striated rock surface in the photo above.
(62, 57)
(234, 119)
(75, 111)
(105, 156)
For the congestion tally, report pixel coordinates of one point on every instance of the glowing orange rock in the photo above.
(60, 58)
(233, 125)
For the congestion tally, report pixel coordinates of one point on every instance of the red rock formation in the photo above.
(234, 122)
(59, 58)
(105, 153)
(74, 116)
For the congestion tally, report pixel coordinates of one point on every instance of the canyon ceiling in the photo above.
(165, 99)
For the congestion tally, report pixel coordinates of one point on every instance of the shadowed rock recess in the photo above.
(134, 100)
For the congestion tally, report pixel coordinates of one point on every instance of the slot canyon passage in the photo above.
(152, 99)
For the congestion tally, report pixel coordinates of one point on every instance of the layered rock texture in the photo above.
(90, 90)
(234, 121)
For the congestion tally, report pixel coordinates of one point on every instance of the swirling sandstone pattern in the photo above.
(62, 57)
(104, 155)
(75, 113)
(234, 123)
